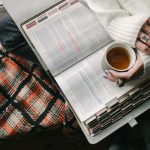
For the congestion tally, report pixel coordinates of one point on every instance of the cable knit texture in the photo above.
(126, 29)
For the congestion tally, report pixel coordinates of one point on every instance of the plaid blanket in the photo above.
(28, 99)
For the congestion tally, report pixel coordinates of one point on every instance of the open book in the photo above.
(71, 41)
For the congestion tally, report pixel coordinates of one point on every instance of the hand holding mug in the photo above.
(143, 45)
(121, 62)
(143, 40)
(127, 75)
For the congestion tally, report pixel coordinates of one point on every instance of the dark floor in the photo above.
(56, 140)
(52, 141)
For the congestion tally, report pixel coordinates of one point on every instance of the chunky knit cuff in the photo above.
(126, 29)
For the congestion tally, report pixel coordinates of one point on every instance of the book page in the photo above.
(69, 32)
(86, 89)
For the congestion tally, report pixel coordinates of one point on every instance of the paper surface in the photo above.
(86, 89)
(67, 36)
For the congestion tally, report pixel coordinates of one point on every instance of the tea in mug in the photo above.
(118, 58)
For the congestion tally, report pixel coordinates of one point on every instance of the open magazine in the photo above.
(71, 41)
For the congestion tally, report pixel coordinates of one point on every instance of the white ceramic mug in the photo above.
(132, 54)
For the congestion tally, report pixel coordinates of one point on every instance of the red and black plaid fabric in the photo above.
(28, 99)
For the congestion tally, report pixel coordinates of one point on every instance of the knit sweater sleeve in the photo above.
(119, 23)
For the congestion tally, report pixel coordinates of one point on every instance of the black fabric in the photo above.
(12, 39)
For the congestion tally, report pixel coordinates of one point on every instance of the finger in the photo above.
(110, 77)
(123, 75)
(142, 47)
(146, 29)
(145, 36)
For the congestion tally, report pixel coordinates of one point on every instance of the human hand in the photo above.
(143, 40)
(135, 70)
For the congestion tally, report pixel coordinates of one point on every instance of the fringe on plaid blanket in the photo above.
(28, 99)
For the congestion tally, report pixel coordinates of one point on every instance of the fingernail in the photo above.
(106, 71)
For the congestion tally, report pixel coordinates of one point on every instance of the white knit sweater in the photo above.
(123, 20)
